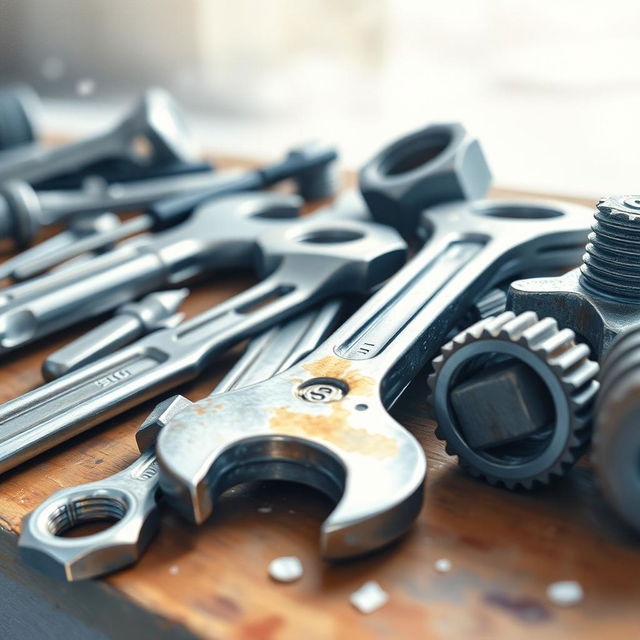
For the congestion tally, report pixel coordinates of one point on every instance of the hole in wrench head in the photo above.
(72, 517)
(516, 211)
(415, 152)
(330, 236)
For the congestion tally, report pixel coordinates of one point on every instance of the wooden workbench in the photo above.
(211, 581)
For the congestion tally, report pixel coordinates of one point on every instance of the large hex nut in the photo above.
(437, 164)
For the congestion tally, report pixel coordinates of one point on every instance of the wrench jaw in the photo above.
(43, 547)
(157, 119)
(348, 448)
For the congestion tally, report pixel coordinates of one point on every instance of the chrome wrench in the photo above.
(324, 422)
(303, 264)
(220, 235)
(133, 493)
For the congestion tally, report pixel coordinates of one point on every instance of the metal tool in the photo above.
(439, 163)
(600, 299)
(154, 131)
(616, 440)
(303, 263)
(219, 235)
(167, 201)
(54, 250)
(325, 422)
(132, 494)
(19, 107)
(513, 399)
(130, 322)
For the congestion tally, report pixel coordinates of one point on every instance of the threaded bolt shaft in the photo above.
(611, 264)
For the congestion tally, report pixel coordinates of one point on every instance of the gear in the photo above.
(616, 440)
(512, 396)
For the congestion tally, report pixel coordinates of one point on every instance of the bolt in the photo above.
(601, 298)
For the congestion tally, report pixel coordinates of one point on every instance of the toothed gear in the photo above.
(561, 365)
(616, 439)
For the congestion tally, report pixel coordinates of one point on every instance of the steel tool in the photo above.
(601, 298)
(153, 132)
(19, 107)
(513, 397)
(132, 495)
(65, 245)
(616, 439)
(302, 264)
(168, 201)
(219, 235)
(324, 422)
(130, 322)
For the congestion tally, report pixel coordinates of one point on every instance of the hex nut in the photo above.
(433, 165)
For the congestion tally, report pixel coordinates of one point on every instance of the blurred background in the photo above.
(551, 88)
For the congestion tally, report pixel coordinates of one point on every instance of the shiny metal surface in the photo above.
(133, 493)
(302, 264)
(218, 235)
(350, 448)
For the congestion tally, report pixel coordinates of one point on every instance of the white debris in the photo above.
(565, 593)
(442, 565)
(264, 509)
(85, 87)
(286, 569)
(369, 597)
(174, 569)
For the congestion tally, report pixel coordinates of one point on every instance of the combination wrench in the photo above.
(324, 422)
(220, 235)
(167, 201)
(133, 492)
(302, 264)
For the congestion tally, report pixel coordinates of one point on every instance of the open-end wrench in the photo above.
(302, 264)
(133, 493)
(168, 201)
(154, 121)
(324, 422)
(219, 235)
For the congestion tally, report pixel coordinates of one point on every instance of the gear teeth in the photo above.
(568, 362)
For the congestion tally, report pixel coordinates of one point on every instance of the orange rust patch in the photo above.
(333, 428)
(334, 367)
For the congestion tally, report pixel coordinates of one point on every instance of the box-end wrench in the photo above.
(302, 264)
(168, 201)
(155, 121)
(221, 235)
(133, 493)
(324, 422)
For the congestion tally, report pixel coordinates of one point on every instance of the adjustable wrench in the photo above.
(303, 263)
(168, 201)
(219, 235)
(133, 492)
(324, 422)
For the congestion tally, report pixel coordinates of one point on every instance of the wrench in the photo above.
(168, 201)
(324, 422)
(133, 492)
(154, 119)
(219, 235)
(303, 263)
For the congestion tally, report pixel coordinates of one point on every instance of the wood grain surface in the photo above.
(211, 581)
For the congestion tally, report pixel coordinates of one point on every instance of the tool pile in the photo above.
(339, 325)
